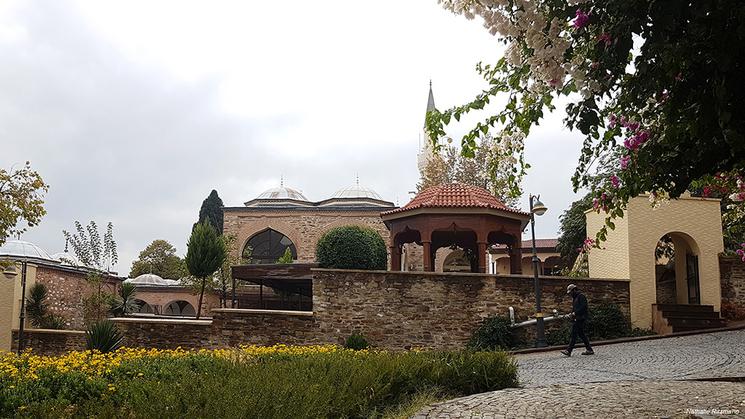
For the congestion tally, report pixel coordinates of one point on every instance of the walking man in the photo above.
(579, 317)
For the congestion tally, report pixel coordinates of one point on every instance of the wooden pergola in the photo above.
(456, 215)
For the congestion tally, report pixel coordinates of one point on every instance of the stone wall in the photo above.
(165, 333)
(303, 227)
(51, 342)
(732, 270)
(400, 310)
(233, 327)
(66, 290)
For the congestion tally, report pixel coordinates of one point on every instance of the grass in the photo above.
(306, 383)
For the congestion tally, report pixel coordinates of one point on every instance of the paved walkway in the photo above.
(627, 379)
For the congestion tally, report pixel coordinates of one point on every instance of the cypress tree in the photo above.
(211, 212)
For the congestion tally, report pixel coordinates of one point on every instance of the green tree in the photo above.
(223, 278)
(124, 303)
(286, 257)
(159, 258)
(21, 198)
(211, 212)
(573, 230)
(657, 83)
(206, 252)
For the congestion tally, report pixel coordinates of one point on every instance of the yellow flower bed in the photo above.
(94, 363)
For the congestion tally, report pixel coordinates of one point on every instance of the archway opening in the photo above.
(179, 308)
(676, 270)
(143, 307)
(266, 247)
(459, 260)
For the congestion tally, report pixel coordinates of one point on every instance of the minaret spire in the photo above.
(430, 102)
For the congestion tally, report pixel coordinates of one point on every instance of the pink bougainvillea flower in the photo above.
(595, 204)
(625, 160)
(612, 119)
(615, 181)
(707, 191)
(605, 39)
(581, 19)
(642, 137)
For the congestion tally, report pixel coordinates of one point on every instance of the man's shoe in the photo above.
(566, 353)
(588, 353)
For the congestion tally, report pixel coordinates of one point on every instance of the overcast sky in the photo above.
(133, 111)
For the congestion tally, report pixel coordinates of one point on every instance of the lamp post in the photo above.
(537, 208)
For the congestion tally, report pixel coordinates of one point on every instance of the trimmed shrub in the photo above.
(357, 342)
(494, 333)
(352, 247)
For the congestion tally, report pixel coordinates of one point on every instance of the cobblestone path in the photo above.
(634, 379)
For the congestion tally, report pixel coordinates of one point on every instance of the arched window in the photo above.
(179, 308)
(267, 246)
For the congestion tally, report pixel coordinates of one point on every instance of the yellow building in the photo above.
(692, 227)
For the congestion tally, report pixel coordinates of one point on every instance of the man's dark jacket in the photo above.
(579, 306)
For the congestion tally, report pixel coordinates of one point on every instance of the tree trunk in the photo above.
(201, 294)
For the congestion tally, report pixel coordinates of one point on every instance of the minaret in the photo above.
(425, 150)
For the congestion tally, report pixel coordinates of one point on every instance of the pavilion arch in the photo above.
(179, 308)
(693, 223)
(267, 246)
(143, 307)
(552, 265)
(679, 281)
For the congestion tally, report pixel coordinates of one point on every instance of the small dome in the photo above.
(152, 280)
(356, 191)
(67, 258)
(22, 249)
(282, 192)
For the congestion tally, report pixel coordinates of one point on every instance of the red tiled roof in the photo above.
(454, 195)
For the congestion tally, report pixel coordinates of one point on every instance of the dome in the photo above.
(282, 192)
(152, 280)
(356, 191)
(23, 249)
(67, 258)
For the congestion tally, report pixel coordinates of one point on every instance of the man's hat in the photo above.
(570, 287)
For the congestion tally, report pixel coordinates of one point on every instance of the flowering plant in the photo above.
(639, 81)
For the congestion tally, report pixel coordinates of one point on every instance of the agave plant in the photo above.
(103, 336)
(124, 303)
(36, 307)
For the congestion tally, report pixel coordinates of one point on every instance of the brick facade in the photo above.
(66, 290)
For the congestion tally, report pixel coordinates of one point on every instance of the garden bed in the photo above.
(266, 382)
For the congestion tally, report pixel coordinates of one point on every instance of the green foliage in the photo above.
(124, 302)
(352, 247)
(606, 321)
(88, 247)
(206, 253)
(211, 212)
(21, 198)
(494, 333)
(103, 336)
(643, 71)
(331, 385)
(38, 311)
(159, 258)
(573, 229)
(356, 341)
(286, 257)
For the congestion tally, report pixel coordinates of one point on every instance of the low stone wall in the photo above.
(233, 327)
(732, 271)
(165, 333)
(50, 342)
(400, 310)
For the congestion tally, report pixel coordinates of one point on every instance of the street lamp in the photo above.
(22, 315)
(537, 208)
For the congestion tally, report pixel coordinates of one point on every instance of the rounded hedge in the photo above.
(352, 247)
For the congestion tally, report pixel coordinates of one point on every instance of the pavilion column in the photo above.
(395, 258)
(428, 261)
(482, 257)
(516, 257)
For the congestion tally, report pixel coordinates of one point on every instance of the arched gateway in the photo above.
(457, 216)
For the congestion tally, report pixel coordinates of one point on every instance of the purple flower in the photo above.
(580, 21)
(604, 38)
(642, 137)
(625, 160)
(612, 121)
(615, 181)
(595, 204)
(633, 126)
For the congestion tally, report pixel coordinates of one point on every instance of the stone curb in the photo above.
(633, 339)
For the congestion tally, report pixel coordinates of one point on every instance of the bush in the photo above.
(494, 333)
(335, 383)
(357, 342)
(352, 247)
(103, 337)
(606, 321)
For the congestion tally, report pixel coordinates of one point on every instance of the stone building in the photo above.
(67, 285)
(157, 296)
(283, 218)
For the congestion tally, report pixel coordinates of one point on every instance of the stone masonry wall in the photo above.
(66, 292)
(165, 333)
(233, 327)
(304, 228)
(400, 310)
(732, 270)
(51, 342)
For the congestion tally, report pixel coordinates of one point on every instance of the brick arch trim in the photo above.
(251, 229)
